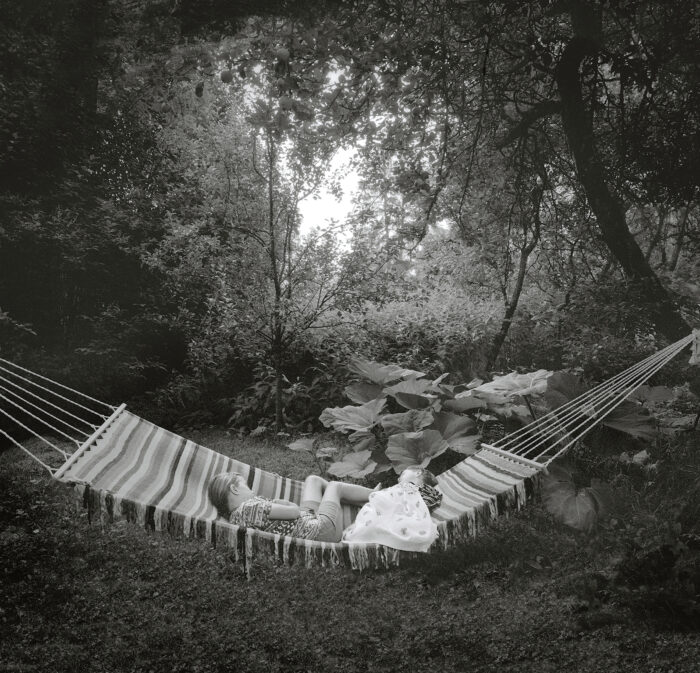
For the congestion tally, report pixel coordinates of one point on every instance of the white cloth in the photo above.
(396, 517)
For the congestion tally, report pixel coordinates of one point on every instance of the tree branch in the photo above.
(539, 111)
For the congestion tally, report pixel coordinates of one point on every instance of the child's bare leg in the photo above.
(350, 494)
(312, 491)
(330, 511)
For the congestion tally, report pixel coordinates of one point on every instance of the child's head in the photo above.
(418, 475)
(226, 491)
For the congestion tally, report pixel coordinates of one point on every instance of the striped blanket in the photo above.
(137, 471)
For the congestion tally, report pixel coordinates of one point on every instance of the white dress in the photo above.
(396, 517)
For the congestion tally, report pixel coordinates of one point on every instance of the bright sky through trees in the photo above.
(317, 209)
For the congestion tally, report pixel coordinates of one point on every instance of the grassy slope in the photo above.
(75, 597)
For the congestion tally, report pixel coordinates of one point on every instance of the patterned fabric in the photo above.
(396, 517)
(255, 513)
(431, 496)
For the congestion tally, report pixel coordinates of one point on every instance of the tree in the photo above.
(500, 72)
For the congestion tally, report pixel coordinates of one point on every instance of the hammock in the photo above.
(124, 467)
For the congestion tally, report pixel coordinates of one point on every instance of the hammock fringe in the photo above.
(248, 544)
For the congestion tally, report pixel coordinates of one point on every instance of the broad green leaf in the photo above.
(575, 506)
(464, 402)
(674, 425)
(379, 456)
(467, 446)
(449, 391)
(517, 384)
(378, 373)
(357, 464)
(440, 379)
(505, 406)
(562, 387)
(350, 418)
(651, 394)
(363, 392)
(458, 431)
(411, 386)
(303, 444)
(362, 440)
(632, 419)
(410, 401)
(409, 421)
(414, 448)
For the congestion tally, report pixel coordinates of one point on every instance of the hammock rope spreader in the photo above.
(125, 467)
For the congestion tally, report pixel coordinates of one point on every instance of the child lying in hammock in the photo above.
(319, 517)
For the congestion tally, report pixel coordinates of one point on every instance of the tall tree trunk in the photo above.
(578, 127)
(277, 327)
(279, 389)
(679, 239)
(511, 308)
(525, 252)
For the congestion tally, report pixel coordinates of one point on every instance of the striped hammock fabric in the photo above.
(137, 471)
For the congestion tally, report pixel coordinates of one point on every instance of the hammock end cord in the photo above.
(695, 353)
(60, 472)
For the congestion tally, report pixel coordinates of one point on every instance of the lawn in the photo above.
(524, 596)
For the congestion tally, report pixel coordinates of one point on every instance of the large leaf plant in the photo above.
(400, 417)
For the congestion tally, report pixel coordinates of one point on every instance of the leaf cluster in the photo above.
(401, 418)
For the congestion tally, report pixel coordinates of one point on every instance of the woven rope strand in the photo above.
(55, 383)
(36, 418)
(590, 413)
(53, 392)
(550, 424)
(47, 402)
(44, 411)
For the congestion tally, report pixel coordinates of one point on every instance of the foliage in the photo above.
(402, 424)
(404, 418)
(320, 454)
(654, 520)
(581, 507)
(135, 237)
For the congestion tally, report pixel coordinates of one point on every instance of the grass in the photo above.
(521, 597)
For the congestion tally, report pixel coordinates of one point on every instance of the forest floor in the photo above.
(523, 596)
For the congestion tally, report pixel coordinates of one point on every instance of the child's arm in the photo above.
(284, 512)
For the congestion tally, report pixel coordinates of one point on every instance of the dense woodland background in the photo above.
(528, 194)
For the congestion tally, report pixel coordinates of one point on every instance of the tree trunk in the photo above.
(279, 385)
(512, 305)
(578, 127)
(507, 320)
(679, 240)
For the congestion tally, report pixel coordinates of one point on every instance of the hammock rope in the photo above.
(21, 384)
(572, 420)
(47, 402)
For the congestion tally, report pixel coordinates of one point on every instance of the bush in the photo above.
(654, 570)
